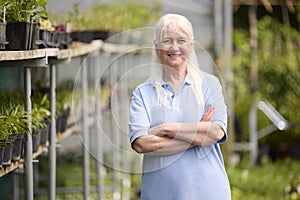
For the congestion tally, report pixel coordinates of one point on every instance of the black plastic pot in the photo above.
(45, 133)
(101, 35)
(7, 153)
(53, 40)
(17, 147)
(41, 38)
(64, 40)
(21, 35)
(36, 140)
(83, 36)
(1, 155)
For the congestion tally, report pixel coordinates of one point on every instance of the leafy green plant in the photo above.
(63, 101)
(3, 5)
(13, 121)
(40, 111)
(13, 117)
(26, 10)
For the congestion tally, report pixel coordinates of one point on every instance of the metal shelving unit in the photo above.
(46, 58)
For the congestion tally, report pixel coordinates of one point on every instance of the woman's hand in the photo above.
(164, 129)
(208, 115)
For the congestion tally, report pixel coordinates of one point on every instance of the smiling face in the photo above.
(173, 49)
(174, 41)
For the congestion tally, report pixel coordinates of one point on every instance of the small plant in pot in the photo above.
(63, 108)
(22, 18)
(13, 127)
(40, 120)
(45, 34)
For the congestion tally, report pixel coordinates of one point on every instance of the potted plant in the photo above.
(40, 120)
(45, 34)
(13, 123)
(105, 19)
(22, 18)
(63, 108)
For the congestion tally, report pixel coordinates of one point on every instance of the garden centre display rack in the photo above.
(47, 58)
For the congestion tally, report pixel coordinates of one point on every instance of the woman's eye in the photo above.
(167, 41)
(181, 41)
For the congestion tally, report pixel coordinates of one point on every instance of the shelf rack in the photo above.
(47, 58)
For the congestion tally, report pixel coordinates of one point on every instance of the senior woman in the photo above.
(177, 121)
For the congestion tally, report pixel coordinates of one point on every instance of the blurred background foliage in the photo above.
(113, 16)
(278, 56)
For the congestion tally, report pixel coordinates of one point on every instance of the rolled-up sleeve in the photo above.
(138, 116)
(214, 97)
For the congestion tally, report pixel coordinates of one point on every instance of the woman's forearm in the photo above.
(159, 146)
(196, 133)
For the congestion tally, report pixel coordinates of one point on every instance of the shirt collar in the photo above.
(161, 82)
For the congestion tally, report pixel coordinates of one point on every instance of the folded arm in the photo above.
(157, 145)
(197, 133)
(171, 138)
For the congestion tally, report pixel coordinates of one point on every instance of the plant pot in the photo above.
(83, 36)
(36, 140)
(1, 154)
(64, 40)
(45, 133)
(7, 155)
(53, 41)
(63, 120)
(17, 147)
(3, 41)
(21, 35)
(101, 35)
(41, 38)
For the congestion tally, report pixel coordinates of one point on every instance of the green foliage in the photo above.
(113, 16)
(279, 64)
(63, 101)
(278, 72)
(40, 111)
(13, 118)
(269, 181)
(25, 10)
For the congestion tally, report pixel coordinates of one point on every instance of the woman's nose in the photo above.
(174, 46)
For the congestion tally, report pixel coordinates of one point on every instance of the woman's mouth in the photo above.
(174, 54)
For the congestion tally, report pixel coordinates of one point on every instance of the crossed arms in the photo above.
(171, 138)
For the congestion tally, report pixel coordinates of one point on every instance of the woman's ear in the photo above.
(192, 43)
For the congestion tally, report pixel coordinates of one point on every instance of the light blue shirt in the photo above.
(197, 173)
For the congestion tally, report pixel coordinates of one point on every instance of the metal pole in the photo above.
(228, 75)
(98, 129)
(28, 149)
(86, 160)
(16, 187)
(218, 27)
(253, 134)
(124, 113)
(115, 138)
(52, 137)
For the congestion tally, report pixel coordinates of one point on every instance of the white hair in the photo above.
(181, 25)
